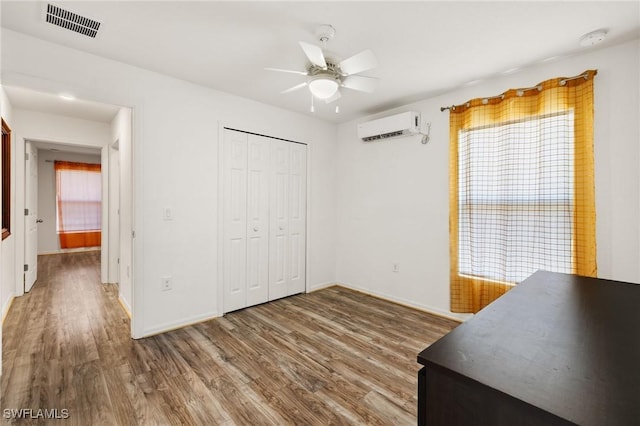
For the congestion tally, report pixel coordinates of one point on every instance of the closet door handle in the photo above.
(255, 229)
(281, 228)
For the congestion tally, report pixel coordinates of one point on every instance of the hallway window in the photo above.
(6, 180)
(79, 204)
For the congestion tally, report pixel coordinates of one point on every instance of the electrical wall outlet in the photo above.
(166, 283)
(167, 213)
(396, 267)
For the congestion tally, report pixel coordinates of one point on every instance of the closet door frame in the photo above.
(222, 126)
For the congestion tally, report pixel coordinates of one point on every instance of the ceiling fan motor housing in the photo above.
(325, 32)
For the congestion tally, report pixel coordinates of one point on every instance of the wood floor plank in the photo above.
(335, 356)
(392, 413)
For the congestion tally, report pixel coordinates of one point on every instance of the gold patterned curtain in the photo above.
(521, 188)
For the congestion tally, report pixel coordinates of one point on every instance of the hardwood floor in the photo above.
(334, 356)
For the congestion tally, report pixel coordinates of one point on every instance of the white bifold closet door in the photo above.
(287, 237)
(264, 219)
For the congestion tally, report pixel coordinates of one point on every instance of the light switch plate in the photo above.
(166, 283)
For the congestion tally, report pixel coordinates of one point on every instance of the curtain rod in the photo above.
(520, 92)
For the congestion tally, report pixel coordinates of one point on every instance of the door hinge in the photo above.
(133, 234)
(118, 261)
(26, 156)
(26, 267)
(26, 212)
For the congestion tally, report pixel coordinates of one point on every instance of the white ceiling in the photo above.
(66, 148)
(423, 48)
(21, 98)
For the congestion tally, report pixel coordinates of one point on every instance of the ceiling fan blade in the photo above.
(314, 54)
(359, 62)
(361, 83)
(334, 97)
(289, 71)
(296, 87)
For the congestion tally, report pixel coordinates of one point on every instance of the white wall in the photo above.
(393, 195)
(175, 163)
(7, 254)
(48, 241)
(39, 126)
(7, 246)
(391, 203)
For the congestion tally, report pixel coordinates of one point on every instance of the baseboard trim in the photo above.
(212, 315)
(125, 306)
(321, 286)
(424, 308)
(6, 307)
(179, 324)
(73, 250)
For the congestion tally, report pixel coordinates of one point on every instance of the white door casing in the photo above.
(114, 213)
(31, 216)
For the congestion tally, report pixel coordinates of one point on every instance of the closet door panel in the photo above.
(264, 218)
(297, 206)
(235, 220)
(279, 218)
(258, 220)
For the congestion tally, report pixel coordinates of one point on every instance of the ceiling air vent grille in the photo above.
(72, 21)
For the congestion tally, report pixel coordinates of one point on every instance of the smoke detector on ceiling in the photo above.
(593, 38)
(72, 21)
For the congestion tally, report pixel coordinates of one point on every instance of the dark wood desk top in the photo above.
(568, 345)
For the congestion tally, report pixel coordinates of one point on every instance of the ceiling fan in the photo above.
(326, 75)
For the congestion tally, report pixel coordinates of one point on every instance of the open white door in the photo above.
(31, 216)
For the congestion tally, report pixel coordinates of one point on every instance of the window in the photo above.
(515, 197)
(79, 201)
(6, 180)
(521, 188)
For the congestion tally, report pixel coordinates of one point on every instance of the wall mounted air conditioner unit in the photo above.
(406, 123)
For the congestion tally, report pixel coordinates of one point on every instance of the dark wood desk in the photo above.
(557, 349)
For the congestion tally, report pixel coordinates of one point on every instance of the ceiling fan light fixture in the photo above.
(326, 76)
(323, 87)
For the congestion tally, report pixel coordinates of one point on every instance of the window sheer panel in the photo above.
(79, 200)
(516, 199)
(521, 189)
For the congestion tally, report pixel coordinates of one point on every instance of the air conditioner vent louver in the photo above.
(403, 124)
(383, 136)
(72, 21)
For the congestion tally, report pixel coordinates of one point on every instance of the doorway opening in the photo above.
(49, 129)
(63, 203)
